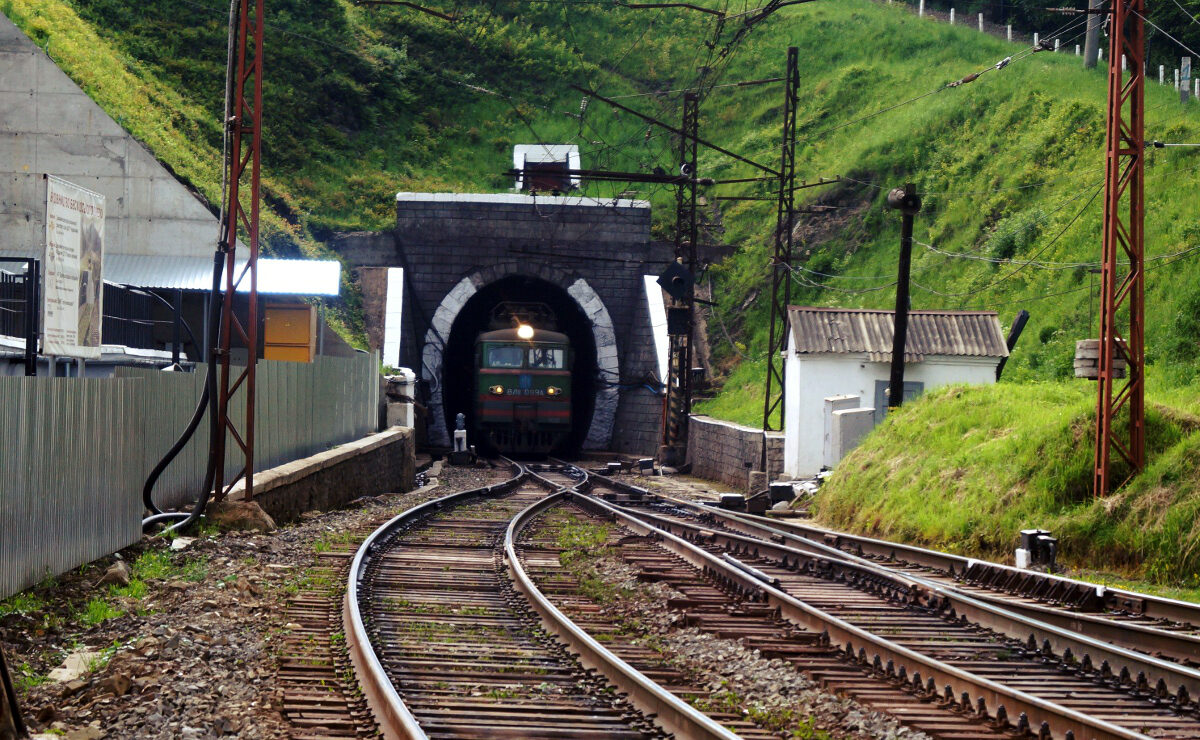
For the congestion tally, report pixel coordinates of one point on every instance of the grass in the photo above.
(96, 611)
(22, 603)
(965, 469)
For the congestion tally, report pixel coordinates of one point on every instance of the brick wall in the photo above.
(442, 239)
(378, 463)
(719, 450)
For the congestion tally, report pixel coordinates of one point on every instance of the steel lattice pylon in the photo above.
(1122, 297)
(781, 261)
(679, 380)
(244, 158)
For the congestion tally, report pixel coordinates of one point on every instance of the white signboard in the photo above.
(72, 284)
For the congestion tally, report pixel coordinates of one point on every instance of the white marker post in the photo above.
(1162, 74)
(952, 16)
(981, 22)
(1185, 78)
(1124, 66)
(1035, 39)
(921, 9)
(1076, 49)
(1010, 32)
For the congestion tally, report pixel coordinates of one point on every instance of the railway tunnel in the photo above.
(429, 285)
(476, 315)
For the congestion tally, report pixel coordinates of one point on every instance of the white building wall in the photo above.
(813, 378)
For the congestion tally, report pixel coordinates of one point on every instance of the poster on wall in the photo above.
(72, 286)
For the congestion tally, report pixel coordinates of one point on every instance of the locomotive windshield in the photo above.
(505, 356)
(546, 359)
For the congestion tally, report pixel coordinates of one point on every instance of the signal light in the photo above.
(525, 331)
(497, 390)
(553, 391)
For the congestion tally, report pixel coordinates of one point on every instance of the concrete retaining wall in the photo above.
(378, 463)
(719, 450)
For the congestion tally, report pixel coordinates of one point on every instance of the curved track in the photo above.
(974, 657)
(445, 647)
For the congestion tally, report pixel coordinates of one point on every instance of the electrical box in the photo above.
(290, 333)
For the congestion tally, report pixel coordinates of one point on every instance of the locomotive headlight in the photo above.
(497, 390)
(525, 331)
(553, 391)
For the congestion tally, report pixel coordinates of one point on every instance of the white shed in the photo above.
(838, 352)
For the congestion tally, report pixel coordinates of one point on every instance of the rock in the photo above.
(70, 688)
(181, 543)
(240, 515)
(46, 714)
(74, 665)
(117, 573)
(117, 684)
(246, 586)
(84, 733)
(310, 515)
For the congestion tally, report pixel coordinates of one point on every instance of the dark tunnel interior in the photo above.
(458, 361)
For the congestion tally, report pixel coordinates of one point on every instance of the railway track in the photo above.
(974, 658)
(445, 646)
(452, 634)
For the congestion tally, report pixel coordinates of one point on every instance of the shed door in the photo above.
(912, 389)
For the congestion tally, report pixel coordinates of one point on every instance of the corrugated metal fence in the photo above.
(75, 452)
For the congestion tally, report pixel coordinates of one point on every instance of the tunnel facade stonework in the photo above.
(597, 251)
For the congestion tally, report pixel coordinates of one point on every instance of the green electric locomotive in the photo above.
(523, 389)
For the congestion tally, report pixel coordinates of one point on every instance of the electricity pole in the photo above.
(1122, 297)
(906, 201)
(244, 169)
(781, 261)
(679, 366)
(1091, 42)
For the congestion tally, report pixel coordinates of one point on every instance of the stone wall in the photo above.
(451, 245)
(378, 463)
(719, 450)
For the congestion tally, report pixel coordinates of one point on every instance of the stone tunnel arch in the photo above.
(599, 430)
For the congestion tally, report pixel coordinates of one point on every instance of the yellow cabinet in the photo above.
(290, 333)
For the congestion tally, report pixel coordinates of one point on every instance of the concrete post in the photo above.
(1035, 39)
(952, 16)
(1010, 32)
(921, 9)
(1124, 63)
(981, 22)
(1076, 49)
(1091, 45)
(1176, 79)
(1055, 46)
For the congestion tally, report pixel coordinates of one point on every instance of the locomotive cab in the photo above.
(523, 389)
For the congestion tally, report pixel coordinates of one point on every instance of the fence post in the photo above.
(1055, 46)
(1124, 65)
(1010, 32)
(1162, 71)
(921, 9)
(1076, 49)
(981, 22)
(1100, 55)
(952, 16)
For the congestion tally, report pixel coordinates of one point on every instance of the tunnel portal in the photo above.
(458, 360)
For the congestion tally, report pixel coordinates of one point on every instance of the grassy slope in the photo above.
(964, 469)
(363, 103)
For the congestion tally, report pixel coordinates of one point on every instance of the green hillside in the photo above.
(363, 102)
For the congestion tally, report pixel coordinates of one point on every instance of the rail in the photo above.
(1056, 719)
(394, 718)
(668, 710)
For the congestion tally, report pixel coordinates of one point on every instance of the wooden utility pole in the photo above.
(906, 201)
(1122, 296)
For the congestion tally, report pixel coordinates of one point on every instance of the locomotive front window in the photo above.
(546, 358)
(505, 356)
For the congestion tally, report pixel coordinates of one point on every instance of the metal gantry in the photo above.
(1122, 296)
(244, 170)
(679, 366)
(781, 260)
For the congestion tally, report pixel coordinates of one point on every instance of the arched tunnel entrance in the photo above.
(458, 361)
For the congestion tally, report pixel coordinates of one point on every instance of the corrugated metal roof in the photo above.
(275, 276)
(844, 331)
